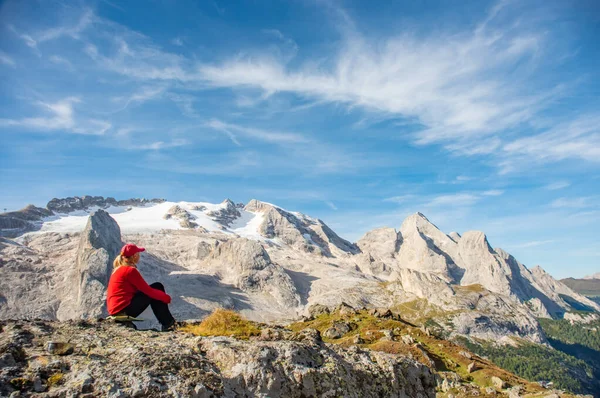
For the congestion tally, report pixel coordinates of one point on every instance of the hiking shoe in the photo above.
(170, 328)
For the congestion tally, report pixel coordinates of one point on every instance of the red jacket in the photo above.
(124, 283)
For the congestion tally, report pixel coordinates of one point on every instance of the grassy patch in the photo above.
(224, 323)
(55, 380)
(476, 288)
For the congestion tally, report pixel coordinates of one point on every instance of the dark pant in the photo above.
(140, 302)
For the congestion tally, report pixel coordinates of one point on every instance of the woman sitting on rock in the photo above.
(129, 294)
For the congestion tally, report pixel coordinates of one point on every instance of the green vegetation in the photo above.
(573, 364)
(427, 346)
(535, 363)
(55, 379)
(224, 323)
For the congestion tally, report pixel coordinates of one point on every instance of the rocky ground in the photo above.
(104, 359)
(339, 352)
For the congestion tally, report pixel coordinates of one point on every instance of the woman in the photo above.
(129, 294)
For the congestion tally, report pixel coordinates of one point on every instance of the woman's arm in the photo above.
(140, 284)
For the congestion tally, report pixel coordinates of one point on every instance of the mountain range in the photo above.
(271, 264)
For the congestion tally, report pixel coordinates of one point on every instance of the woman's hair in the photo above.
(122, 260)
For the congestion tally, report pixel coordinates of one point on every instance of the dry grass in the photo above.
(55, 379)
(224, 323)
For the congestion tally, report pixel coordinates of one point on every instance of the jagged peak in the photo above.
(228, 202)
(72, 203)
(379, 231)
(455, 236)
(258, 206)
(476, 238)
(539, 270)
(417, 222)
(502, 253)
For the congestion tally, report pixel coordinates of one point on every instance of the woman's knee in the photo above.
(158, 285)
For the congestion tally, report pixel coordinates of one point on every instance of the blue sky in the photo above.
(481, 115)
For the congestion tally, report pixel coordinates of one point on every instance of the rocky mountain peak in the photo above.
(99, 244)
(455, 236)
(257, 206)
(70, 204)
(474, 241)
(227, 214)
(380, 242)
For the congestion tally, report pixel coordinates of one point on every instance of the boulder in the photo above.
(99, 244)
(498, 382)
(317, 309)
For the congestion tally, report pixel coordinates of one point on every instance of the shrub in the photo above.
(224, 323)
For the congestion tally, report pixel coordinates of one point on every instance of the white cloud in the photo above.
(444, 82)
(578, 138)
(61, 117)
(331, 205)
(454, 200)
(86, 18)
(158, 145)
(400, 199)
(6, 59)
(493, 192)
(58, 60)
(178, 41)
(262, 135)
(573, 203)
(557, 185)
(34, 39)
(141, 96)
(534, 243)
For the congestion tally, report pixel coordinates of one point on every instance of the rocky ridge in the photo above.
(104, 359)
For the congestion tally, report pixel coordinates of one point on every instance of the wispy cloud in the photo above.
(444, 83)
(331, 205)
(458, 199)
(578, 138)
(7, 60)
(61, 117)
(67, 29)
(454, 200)
(557, 185)
(573, 203)
(58, 60)
(493, 192)
(158, 145)
(142, 95)
(400, 199)
(263, 135)
(534, 243)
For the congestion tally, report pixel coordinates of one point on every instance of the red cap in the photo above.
(130, 249)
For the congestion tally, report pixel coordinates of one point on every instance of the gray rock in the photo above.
(388, 335)
(7, 360)
(186, 219)
(317, 309)
(99, 244)
(226, 215)
(498, 382)
(407, 339)
(333, 333)
(246, 265)
(471, 367)
(70, 204)
(466, 354)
